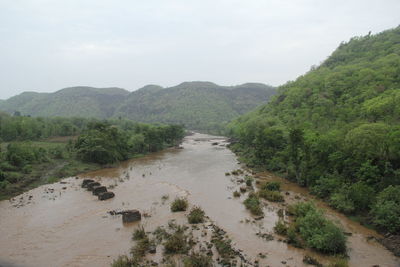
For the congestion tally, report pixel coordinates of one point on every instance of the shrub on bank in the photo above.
(273, 196)
(253, 204)
(280, 227)
(317, 231)
(198, 260)
(272, 186)
(196, 215)
(179, 204)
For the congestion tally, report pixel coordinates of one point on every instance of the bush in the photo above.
(198, 260)
(196, 215)
(121, 261)
(142, 246)
(362, 195)
(280, 227)
(236, 194)
(139, 233)
(325, 186)
(4, 184)
(318, 232)
(253, 204)
(292, 237)
(249, 181)
(13, 177)
(225, 250)
(342, 201)
(273, 196)
(179, 204)
(176, 244)
(300, 209)
(386, 211)
(272, 186)
(357, 196)
(339, 263)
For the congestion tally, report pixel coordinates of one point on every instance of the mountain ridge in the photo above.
(200, 105)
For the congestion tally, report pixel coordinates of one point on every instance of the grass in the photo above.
(273, 196)
(196, 215)
(179, 204)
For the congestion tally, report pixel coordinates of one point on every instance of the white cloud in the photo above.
(54, 44)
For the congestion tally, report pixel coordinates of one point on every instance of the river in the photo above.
(62, 224)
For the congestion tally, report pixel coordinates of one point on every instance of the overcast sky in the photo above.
(48, 45)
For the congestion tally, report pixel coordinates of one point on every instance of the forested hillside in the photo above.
(336, 129)
(200, 106)
(69, 102)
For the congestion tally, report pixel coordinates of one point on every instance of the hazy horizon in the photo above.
(46, 46)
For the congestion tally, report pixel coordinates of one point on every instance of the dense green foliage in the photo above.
(20, 128)
(335, 129)
(317, 231)
(197, 105)
(386, 210)
(104, 143)
(40, 150)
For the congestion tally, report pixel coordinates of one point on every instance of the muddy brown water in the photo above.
(64, 225)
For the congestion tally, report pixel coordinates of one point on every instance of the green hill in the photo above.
(79, 101)
(199, 105)
(336, 129)
(202, 106)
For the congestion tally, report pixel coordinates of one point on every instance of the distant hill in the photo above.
(79, 101)
(202, 106)
(198, 105)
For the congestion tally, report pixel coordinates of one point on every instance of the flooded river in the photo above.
(62, 224)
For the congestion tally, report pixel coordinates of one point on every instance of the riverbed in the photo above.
(62, 224)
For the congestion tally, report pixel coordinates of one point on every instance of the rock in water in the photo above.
(131, 216)
(85, 182)
(152, 249)
(99, 189)
(106, 195)
(91, 185)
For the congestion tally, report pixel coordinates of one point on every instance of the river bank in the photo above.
(63, 225)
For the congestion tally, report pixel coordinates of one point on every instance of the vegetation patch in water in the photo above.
(253, 204)
(179, 204)
(196, 215)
